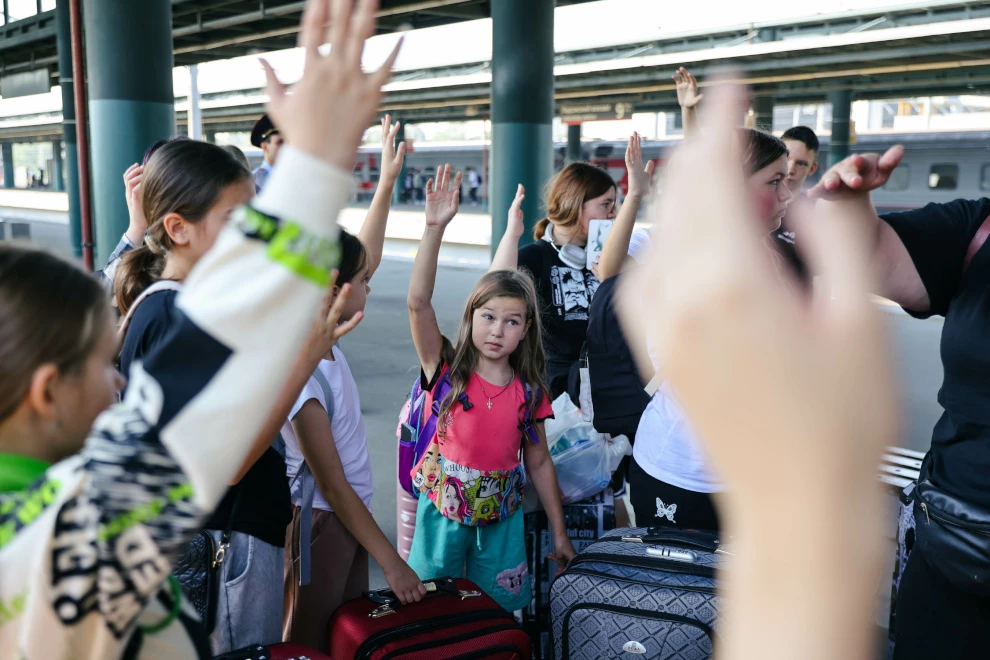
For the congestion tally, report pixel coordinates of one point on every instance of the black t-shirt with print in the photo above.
(265, 508)
(565, 295)
(937, 237)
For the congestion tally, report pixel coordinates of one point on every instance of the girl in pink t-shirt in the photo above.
(493, 404)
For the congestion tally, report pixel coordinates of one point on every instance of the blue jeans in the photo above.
(249, 605)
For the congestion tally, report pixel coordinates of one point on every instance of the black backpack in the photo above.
(617, 391)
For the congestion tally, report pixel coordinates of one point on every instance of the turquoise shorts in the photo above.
(495, 555)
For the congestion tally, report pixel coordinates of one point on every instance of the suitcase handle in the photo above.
(388, 602)
(684, 538)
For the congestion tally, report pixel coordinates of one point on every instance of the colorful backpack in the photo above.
(418, 426)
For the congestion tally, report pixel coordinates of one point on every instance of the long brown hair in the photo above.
(184, 177)
(51, 312)
(566, 193)
(528, 360)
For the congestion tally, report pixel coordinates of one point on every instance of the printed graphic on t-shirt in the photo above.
(467, 495)
(571, 291)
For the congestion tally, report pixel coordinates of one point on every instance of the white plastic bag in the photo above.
(583, 458)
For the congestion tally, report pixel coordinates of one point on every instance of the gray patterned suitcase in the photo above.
(617, 601)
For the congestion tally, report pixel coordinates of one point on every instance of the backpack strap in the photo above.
(160, 285)
(979, 238)
(307, 491)
(528, 428)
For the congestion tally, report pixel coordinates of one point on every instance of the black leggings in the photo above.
(693, 510)
(936, 620)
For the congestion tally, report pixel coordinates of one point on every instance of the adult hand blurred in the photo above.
(793, 399)
(335, 101)
(857, 175)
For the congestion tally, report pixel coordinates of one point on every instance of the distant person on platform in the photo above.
(266, 137)
(474, 182)
(802, 162)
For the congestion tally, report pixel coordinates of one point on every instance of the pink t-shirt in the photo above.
(487, 438)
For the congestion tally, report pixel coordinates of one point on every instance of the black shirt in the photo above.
(937, 238)
(265, 508)
(565, 295)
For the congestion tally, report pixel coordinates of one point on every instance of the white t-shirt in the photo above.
(667, 447)
(349, 433)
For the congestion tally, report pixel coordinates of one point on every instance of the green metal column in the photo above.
(131, 104)
(841, 100)
(57, 177)
(7, 150)
(573, 143)
(763, 109)
(71, 164)
(522, 108)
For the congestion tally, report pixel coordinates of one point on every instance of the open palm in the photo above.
(687, 88)
(639, 176)
(442, 199)
(392, 157)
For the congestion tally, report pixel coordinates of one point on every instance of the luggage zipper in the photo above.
(373, 642)
(629, 611)
(487, 653)
(433, 644)
(654, 563)
(588, 572)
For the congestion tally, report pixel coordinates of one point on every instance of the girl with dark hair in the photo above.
(670, 479)
(92, 518)
(579, 193)
(325, 429)
(493, 403)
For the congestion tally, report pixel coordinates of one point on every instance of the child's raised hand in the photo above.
(334, 102)
(404, 582)
(687, 88)
(327, 329)
(639, 176)
(442, 199)
(514, 226)
(392, 157)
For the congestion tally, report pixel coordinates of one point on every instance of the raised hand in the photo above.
(442, 199)
(335, 101)
(857, 174)
(639, 176)
(138, 223)
(687, 88)
(514, 226)
(392, 157)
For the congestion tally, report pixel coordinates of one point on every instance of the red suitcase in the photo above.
(455, 620)
(293, 651)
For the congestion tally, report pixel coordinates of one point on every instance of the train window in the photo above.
(985, 177)
(943, 176)
(899, 179)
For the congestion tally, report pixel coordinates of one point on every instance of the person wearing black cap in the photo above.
(266, 137)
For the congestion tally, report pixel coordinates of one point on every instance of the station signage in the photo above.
(577, 113)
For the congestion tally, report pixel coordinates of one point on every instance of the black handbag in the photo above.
(198, 568)
(952, 535)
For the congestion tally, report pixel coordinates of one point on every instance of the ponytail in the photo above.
(541, 229)
(138, 269)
